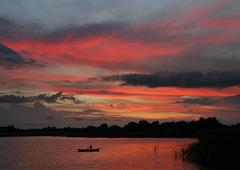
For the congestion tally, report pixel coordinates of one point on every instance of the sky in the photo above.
(78, 63)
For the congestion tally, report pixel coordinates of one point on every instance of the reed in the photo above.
(217, 149)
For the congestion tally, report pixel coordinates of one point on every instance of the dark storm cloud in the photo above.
(232, 99)
(84, 32)
(10, 59)
(219, 58)
(194, 79)
(105, 92)
(49, 99)
(25, 52)
(55, 98)
(4, 21)
(10, 31)
(70, 97)
(49, 117)
(14, 99)
(202, 101)
(79, 119)
(90, 112)
(235, 100)
(210, 56)
(39, 116)
(99, 119)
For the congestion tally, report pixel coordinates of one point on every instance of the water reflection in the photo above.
(62, 153)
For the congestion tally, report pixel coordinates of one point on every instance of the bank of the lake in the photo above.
(217, 149)
(180, 129)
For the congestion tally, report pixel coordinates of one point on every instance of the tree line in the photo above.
(133, 129)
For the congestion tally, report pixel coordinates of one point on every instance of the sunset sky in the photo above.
(87, 62)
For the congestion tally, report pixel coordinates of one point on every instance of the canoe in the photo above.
(89, 150)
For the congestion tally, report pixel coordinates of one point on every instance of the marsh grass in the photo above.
(217, 149)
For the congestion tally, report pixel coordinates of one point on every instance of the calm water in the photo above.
(61, 153)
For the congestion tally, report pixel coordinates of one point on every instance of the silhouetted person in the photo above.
(90, 147)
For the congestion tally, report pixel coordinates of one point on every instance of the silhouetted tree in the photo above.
(115, 128)
(91, 129)
(8, 129)
(155, 125)
(141, 129)
(103, 126)
(144, 125)
(131, 126)
(168, 125)
(209, 123)
(181, 125)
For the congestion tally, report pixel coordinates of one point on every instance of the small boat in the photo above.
(89, 150)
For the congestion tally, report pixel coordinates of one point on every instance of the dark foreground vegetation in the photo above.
(143, 128)
(217, 149)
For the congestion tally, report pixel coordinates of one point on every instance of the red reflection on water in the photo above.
(120, 153)
(143, 153)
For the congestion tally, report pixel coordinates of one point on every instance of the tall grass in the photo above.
(217, 149)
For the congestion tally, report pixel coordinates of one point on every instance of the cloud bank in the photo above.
(194, 79)
(234, 100)
(55, 98)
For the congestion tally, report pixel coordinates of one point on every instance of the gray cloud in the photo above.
(124, 27)
(39, 107)
(14, 99)
(49, 117)
(79, 119)
(90, 112)
(235, 100)
(10, 59)
(210, 56)
(194, 79)
(58, 96)
(9, 31)
(99, 119)
(55, 98)
(25, 52)
(232, 99)
(26, 117)
(119, 105)
(64, 12)
(4, 21)
(84, 32)
(40, 116)
(202, 101)
(49, 99)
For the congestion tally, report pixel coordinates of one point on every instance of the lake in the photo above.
(115, 153)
